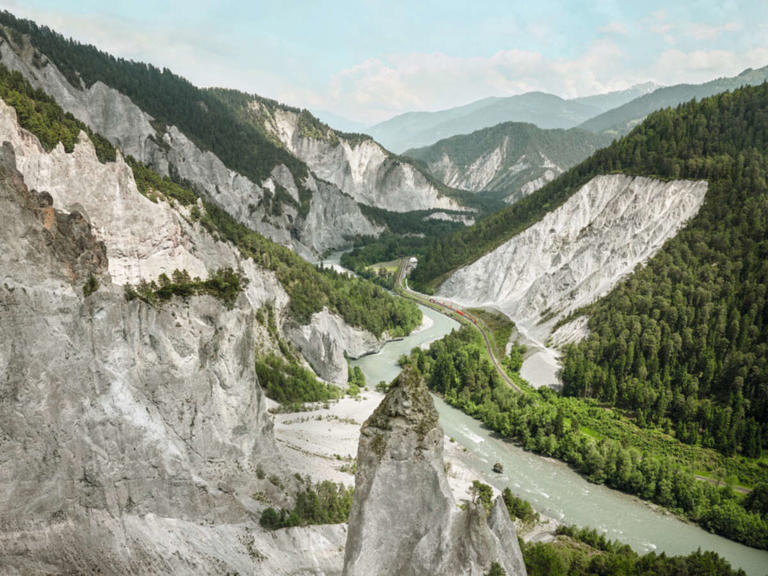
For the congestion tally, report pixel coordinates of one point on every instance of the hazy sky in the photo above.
(370, 59)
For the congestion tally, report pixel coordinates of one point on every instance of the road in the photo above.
(402, 288)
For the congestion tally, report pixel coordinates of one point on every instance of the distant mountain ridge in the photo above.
(417, 129)
(512, 159)
(620, 120)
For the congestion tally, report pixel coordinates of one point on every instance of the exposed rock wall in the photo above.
(130, 434)
(327, 341)
(579, 251)
(404, 520)
(335, 217)
(144, 239)
(360, 167)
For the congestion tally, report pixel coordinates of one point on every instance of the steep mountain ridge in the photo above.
(171, 152)
(356, 164)
(195, 137)
(547, 111)
(622, 119)
(510, 159)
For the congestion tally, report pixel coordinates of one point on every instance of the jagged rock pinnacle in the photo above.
(404, 519)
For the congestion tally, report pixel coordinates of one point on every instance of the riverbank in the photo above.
(323, 443)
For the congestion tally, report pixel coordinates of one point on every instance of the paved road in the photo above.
(404, 290)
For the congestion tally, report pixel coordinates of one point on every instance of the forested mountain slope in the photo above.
(684, 340)
(510, 159)
(627, 155)
(618, 121)
(198, 138)
(416, 129)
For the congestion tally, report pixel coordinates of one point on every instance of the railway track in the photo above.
(402, 288)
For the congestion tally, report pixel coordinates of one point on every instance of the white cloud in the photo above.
(701, 31)
(676, 66)
(382, 87)
(616, 28)
(204, 59)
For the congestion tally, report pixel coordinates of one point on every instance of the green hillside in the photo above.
(620, 120)
(683, 343)
(524, 150)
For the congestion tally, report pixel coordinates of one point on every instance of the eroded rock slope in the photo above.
(144, 239)
(358, 165)
(404, 520)
(310, 210)
(130, 434)
(511, 159)
(579, 251)
(169, 150)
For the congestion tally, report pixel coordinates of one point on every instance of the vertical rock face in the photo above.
(326, 343)
(108, 408)
(404, 520)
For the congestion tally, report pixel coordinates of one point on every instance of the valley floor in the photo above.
(323, 443)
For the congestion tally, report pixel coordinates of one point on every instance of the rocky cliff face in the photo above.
(144, 239)
(334, 217)
(358, 165)
(112, 408)
(579, 251)
(327, 341)
(404, 520)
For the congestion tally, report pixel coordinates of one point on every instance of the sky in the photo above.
(368, 60)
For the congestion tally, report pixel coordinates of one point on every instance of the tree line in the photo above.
(458, 368)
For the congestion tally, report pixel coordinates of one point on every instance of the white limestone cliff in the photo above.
(577, 252)
(359, 166)
(335, 217)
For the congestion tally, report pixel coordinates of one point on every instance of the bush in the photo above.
(91, 285)
(291, 384)
(328, 503)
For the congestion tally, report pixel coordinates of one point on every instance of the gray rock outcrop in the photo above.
(577, 252)
(326, 343)
(404, 520)
(357, 165)
(111, 408)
